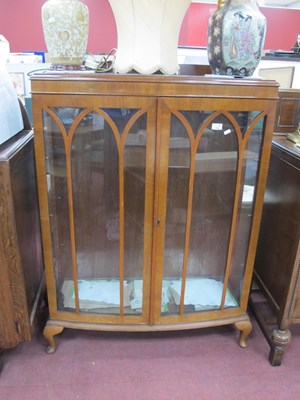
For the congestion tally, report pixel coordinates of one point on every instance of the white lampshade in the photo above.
(148, 32)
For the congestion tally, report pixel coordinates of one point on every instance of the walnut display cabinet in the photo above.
(150, 191)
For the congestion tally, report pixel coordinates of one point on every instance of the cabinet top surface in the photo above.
(8, 148)
(285, 145)
(151, 85)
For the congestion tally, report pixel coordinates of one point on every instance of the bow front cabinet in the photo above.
(150, 193)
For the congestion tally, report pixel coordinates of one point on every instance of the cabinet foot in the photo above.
(279, 338)
(245, 327)
(49, 332)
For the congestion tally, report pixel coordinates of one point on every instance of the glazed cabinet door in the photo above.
(95, 163)
(208, 175)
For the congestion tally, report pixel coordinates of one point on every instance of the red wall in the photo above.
(282, 26)
(20, 23)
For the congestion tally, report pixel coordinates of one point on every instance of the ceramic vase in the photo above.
(236, 35)
(148, 33)
(65, 25)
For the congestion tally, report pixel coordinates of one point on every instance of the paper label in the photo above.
(216, 126)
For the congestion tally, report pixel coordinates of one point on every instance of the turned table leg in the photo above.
(49, 332)
(245, 327)
(279, 338)
(1, 359)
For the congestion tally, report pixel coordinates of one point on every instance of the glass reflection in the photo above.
(56, 173)
(134, 213)
(84, 198)
(199, 224)
(95, 165)
(245, 214)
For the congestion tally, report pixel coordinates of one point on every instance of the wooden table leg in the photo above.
(1, 360)
(279, 338)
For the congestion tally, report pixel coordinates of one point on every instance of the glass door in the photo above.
(209, 165)
(99, 165)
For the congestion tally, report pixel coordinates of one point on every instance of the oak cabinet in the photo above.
(288, 110)
(150, 191)
(21, 260)
(276, 301)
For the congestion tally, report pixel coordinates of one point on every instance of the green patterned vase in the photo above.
(236, 35)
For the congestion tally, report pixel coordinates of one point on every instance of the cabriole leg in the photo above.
(49, 332)
(245, 327)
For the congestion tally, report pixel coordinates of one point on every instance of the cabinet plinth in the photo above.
(150, 192)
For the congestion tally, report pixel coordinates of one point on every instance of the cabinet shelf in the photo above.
(103, 295)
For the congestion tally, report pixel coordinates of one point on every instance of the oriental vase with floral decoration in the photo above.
(236, 35)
